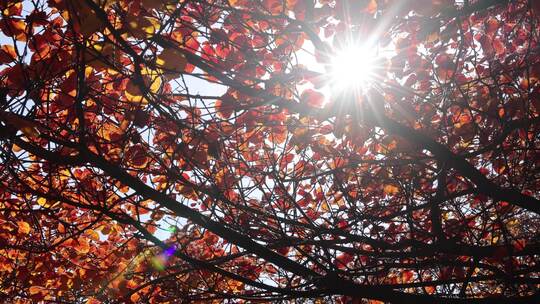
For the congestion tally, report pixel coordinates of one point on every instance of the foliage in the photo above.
(119, 182)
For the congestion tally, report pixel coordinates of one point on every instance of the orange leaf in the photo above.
(499, 47)
(92, 234)
(93, 301)
(35, 290)
(13, 27)
(24, 227)
(83, 246)
(491, 25)
(371, 7)
(390, 189)
(135, 297)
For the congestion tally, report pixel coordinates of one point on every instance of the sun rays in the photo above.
(352, 68)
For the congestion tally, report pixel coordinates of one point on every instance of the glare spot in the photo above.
(353, 68)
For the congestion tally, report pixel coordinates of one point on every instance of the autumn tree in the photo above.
(347, 151)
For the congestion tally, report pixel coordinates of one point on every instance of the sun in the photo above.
(353, 68)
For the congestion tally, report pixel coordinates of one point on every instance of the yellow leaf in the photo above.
(46, 203)
(325, 206)
(42, 201)
(152, 79)
(142, 27)
(152, 83)
(134, 93)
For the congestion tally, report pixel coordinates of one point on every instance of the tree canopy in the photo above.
(240, 151)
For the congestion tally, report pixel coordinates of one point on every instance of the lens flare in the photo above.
(353, 68)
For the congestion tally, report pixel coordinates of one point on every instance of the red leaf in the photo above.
(406, 276)
(225, 106)
(7, 54)
(137, 156)
(343, 259)
(312, 98)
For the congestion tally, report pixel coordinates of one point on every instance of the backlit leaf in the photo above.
(24, 227)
